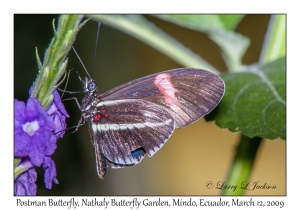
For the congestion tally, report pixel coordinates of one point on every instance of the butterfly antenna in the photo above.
(97, 37)
(81, 62)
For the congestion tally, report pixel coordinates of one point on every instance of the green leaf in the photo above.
(255, 101)
(204, 23)
(139, 27)
(230, 22)
(233, 46)
(220, 29)
(274, 44)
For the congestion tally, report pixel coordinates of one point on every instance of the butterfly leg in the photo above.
(73, 98)
(64, 90)
(80, 123)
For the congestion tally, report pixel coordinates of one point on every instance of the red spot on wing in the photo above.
(166, 87)
(100, 115)
(100, 96)
(97, 117)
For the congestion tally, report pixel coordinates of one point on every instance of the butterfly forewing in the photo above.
(187, 94)
(138, 117)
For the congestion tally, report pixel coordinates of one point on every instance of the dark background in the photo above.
(194, 155)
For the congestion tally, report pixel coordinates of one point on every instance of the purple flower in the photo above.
(36, 132)
(58, 113)
(25, 182)
(33, 131)
(50, 172)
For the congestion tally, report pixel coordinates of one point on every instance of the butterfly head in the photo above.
(89, 85)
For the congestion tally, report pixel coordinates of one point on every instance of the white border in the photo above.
(8, 8)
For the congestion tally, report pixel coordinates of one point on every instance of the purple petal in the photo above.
(19, 112)
(60, 106)
(59, 114)
(43, 115)
(25, 183)
(25, 162)
(22, 142)
(50, 172)
(33, 131)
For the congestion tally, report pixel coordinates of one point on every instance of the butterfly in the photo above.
(138, 117)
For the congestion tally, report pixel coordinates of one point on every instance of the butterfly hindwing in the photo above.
(187, 94)
(130, 128)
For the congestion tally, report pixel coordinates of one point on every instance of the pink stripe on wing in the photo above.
(166, 87)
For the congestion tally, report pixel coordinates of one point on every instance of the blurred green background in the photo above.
(193, 156)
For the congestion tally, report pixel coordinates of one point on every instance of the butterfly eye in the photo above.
(92, 86)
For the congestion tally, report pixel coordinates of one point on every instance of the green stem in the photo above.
(242, 165)
(54, 65)
(142, 29)
(55, 60)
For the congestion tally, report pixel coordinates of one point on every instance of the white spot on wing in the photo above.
(94, 127)
(123, 126)
(129, 126)
(151, 152)
(110, 103)
(114, 126)
(127, 161)
(107, 126)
